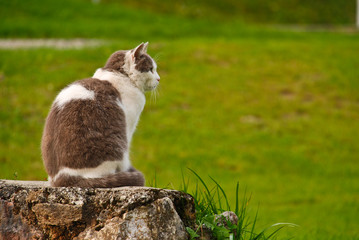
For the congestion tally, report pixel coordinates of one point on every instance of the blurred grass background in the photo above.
(260, 92)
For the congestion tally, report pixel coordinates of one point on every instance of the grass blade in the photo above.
(273, 233)
(208, 193)
(254, 224)
(200, 179)
(219, 200)
(185, 184)
(223, 193)
(236, 211)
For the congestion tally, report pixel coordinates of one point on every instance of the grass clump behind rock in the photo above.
(215, 219)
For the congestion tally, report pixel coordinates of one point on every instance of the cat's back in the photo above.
(86, 126)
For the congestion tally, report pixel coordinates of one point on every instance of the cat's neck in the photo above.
(121, 82)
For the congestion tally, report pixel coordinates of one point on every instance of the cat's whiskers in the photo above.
(154, 94)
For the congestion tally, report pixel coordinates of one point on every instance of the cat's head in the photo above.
(137, 65)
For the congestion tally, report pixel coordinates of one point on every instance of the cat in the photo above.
(88, 131)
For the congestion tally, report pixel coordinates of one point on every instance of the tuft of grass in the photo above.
(208, 205)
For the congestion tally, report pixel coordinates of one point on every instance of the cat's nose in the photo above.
(158, 79)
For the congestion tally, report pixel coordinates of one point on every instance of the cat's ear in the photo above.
(145, 46)
(139, 50)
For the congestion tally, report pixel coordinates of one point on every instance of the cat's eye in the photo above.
(151, 69)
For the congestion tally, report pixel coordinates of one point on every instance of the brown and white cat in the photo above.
(88, 131)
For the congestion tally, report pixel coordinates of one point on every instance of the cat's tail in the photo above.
(120, 179)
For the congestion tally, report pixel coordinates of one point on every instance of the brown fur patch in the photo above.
(144, 63)
(116, 62)
(84, 133)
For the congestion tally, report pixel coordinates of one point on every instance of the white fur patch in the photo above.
(105, 168)
(73, 92)
(157, 76)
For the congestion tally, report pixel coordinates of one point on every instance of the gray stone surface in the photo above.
(34, 210)
(227, 216)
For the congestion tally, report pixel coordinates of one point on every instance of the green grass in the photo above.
(275, 110)
(169, 20)
(258, 11)
(279, 116)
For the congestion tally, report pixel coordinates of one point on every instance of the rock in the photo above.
(225, 217)
(34, 210)
(158, 220)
